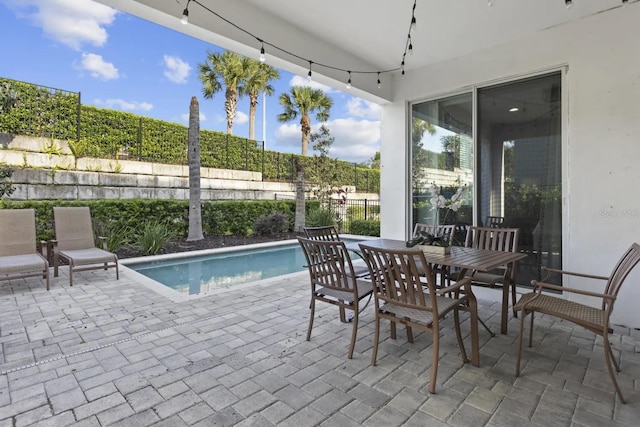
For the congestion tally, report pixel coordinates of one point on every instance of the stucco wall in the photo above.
(601, 135)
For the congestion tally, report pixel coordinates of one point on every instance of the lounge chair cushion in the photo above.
(89, 256)
(20, 263)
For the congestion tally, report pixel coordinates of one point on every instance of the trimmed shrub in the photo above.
(320, 217)
(272, 224)
(365, 228)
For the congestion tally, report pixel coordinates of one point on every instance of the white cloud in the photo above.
(185, 117)
(359, 107)
(176, 70)
(70, 22)
(354, 140)
(241, 118)
(303, 81)
(97, 67)
(121, 104)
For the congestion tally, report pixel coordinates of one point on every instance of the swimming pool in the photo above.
(203, 273)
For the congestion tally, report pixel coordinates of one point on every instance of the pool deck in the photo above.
(107, 352)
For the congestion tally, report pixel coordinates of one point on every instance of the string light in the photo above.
(185, 14)
(263, 43)
(568, 3)
(489, 3)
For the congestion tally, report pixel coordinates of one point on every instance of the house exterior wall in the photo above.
(601, 136)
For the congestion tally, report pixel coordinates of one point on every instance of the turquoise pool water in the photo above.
(204, 273)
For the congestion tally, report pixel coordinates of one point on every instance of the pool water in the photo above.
(201, 274)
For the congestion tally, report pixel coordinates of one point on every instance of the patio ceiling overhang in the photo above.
(364, 35)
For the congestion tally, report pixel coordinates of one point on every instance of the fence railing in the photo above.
(348, 211)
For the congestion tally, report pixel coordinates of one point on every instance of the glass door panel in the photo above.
(519, 167)
(442, 162)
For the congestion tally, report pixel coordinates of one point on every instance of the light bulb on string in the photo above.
(410, 49)
(489, 3)
(568, 3)
(349, 81)
(185, 14)
(413, 23)
(309, 73)
(263, 58)
(379, 82)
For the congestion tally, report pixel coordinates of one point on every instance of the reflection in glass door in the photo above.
(442, 161)
(519, 167)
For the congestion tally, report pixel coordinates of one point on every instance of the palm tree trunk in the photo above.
(299, 218)
(305, 124)
(253, 101)
(230, 107)
(193, 154)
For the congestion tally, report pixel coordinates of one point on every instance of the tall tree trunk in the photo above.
(253, 101)
(193, 154)
(230, 106)
(299, 219)
(305, 124)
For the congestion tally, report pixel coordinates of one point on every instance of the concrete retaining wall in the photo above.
(40, 176)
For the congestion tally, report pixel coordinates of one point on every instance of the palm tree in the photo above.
(258, 81)
(303, 101)
(226, 68)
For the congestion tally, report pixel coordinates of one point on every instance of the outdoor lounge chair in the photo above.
(594, 319)
(333, 281)
(400, 297)
(18, 255)
(76, 244)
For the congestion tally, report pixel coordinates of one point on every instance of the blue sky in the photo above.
(122, 62)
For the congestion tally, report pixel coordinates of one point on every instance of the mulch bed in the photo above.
(209, 242)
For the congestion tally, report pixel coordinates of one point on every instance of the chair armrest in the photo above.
(466, 282)
(550, 270)
(542, 285)
(44, 249)
(56, 256)
(103, 240)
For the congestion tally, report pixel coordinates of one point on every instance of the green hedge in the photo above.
(365, 228)
(218, 217)
(108, 133)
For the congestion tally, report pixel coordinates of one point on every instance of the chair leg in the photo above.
(434, 361)
(613, 359)
(392, 326)
(513, 300)
(70, 273)
(456, 319)
(355, 329)
(475, 347)
(519, 351)
(530, 329)
(312, 306)
(376, 337)
(612, 374)
(409, 333)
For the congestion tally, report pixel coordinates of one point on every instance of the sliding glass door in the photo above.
(514, 165)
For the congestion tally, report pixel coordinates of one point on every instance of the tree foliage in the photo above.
(303, 101)
(258, 81)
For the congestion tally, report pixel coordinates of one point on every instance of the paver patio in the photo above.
(107, 352)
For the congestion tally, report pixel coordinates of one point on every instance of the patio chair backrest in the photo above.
(329, 264)
(619, 274)
(326, 233)
(17, 232)
(495, 239)
(396, 275)
(73, 228)
(436, 230)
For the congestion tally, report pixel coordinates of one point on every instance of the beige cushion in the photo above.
(21, 263)
(88, 256)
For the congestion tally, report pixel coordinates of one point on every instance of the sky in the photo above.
(121, 62)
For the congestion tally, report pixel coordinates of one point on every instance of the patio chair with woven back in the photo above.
(18, 255)
(592, 318)
(333, 281)
(400, 297)
(75, 243)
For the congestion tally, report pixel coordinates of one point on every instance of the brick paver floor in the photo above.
(107, 352)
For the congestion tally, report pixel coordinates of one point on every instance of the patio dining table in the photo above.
(472, 259)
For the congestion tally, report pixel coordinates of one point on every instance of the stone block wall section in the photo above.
(40, 176)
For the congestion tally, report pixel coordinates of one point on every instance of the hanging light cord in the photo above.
(308, 61)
